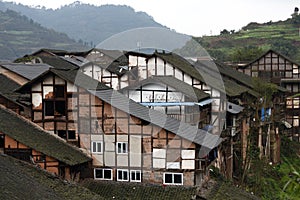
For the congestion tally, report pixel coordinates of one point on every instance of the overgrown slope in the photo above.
(254, 39)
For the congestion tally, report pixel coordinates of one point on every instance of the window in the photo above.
(49, 108)
(97, 147)
(122, 147)
(135, 176)
(59, 91)
(122, 175)
(173, 178)
(62, 134)
(55, 108)
(103, 174)
(71, 135)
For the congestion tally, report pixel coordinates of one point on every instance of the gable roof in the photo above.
(7, 86)
(204, 74)
(74, 76)
(36, 138)
(57, 62)
(269, 51)
(182, 129)
(27, 71)
(173, 82)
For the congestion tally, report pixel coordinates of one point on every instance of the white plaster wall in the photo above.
(178, 74)
(159, 163)
(122, 160)
(96, 137)
(36, 99)
(188, 154)
(124, 81)
(160, 67)
(59, 80)
(47, 90)
(133, 60)
(115, 83)
(169, 70)
(151, 67)
(109, 158)
(71, 87)
(173, 165)
(187, 79)
(122, 138)
(159, 153)
(135, 153)
(141, 61)
(188, 164)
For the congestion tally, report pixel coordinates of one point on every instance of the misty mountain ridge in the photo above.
(20, 35)
(84, 22)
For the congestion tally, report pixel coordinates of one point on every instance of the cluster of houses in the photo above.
(135, 117)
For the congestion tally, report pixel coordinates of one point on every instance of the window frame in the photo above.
(122, 148)
(97, 149)
(123, 171)
(103, 169)
(135, 173)
(173, 182)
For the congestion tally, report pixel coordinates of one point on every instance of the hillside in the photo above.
(86, 23)
(254, 39)
(20, 35)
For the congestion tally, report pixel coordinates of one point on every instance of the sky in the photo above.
(197, 17)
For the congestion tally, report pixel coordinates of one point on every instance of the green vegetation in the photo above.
(280, 181)
(87, 24)
(20, 35)
(249, 42)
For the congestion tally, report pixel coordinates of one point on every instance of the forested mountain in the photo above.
(20, 35)
(86, 23)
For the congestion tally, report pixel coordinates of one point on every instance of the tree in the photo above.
(285, 47)
(224, 32)
(246, 54)
(254, 147)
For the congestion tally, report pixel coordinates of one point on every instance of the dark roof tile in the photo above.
(36, 138)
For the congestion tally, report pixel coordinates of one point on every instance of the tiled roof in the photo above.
(210, 77)
(173, 82)
(7, 86)
(57, 62)
(80, 79)
(36, 138)
(239, 77)
(28, 71)
(74, 76)
(21, 180)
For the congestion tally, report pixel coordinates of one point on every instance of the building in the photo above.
(153, 118)
(278, 69)
(24, 140)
